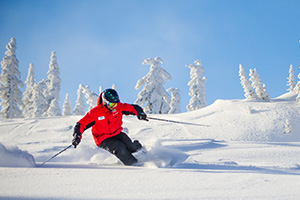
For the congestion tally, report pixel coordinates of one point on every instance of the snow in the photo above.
(14, 157)
(243, 154)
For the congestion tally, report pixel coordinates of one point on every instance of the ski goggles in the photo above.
(110, 104)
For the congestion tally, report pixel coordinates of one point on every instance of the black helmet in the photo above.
(111, 95)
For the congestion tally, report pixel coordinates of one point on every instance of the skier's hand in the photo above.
(76, 139)
(142, 116)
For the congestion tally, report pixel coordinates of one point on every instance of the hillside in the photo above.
(245, 153)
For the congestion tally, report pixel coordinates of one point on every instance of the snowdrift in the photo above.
(14, 157)
(244, 120)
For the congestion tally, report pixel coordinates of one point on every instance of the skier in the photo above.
(106, 122)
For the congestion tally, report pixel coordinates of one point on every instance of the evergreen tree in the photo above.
(10, 84)
(249, 93)
(90, 96)
(114, 86)
(291, 79)
(67, 110)
(40, 103)
(155, 98)
(53, 109)
(197, 87)
(28, 99)
(175, 100)
(297, 89)
(80, 105)
(257, 84)
(53, 89)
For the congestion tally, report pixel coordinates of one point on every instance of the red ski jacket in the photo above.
(106, 123)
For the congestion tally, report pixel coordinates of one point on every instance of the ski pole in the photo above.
(166, 120)
(55, 155)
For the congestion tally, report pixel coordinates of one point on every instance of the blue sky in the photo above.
(100, 43)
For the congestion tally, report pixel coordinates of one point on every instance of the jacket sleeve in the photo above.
(138, 108)
(131, 109)
(84, 123)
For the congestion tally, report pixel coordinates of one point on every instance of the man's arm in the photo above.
(134, 109)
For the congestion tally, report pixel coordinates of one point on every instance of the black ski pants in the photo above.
(122, 147)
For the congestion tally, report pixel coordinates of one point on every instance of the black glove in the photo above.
(76, 139)
(142, 116)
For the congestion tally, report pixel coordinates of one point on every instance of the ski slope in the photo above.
(247, 152)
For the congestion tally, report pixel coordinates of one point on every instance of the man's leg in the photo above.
(119, 149)
(131, 146)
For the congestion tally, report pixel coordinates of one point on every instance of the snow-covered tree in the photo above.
(80, 105)
(53, 89)
(28, 100)
(155, 98)
(67, 110)
(114, 86)
(291, 79)
(249, 93)
(53, 109)
(297, 89)
(40, 103)
(90, 96)
(257, 85)
(10, 84)
(175, 100)
(197, 87)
